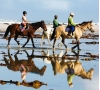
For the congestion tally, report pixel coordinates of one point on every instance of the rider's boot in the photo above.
(69, 33)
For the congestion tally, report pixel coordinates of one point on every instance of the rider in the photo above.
(70, 74)
(55, 24)
(24, 20)
(23, 71)
(71, 24)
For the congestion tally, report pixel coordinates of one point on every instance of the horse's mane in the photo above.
(34, 23)
(83, 23)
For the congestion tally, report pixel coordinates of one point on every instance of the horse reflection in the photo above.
(60, 65)
(46, 59)
(35, 84)
(14, 65)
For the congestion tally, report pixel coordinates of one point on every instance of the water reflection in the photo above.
(23, 65)
(72, 68)
(35, 84)
(61, 63)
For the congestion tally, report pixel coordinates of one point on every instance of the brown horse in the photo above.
(14, 65)
(15, 30)
(60, 31)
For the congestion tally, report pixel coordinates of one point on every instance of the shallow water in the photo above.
(55, 82)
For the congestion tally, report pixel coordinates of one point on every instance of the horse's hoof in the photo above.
(79, 49)
(60, 45)
(34, 47)
(23, 46)
(8, 46)
(72, 48)
(53, 48)
(19, 46)
(67, 49)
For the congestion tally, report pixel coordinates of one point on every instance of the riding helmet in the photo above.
(24, 12)
(72, 13)
(55, 16)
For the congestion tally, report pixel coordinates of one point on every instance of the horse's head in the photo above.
(90, 26)
(90, 73)
(43, 25)
(87, 25)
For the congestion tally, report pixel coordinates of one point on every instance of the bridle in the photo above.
(84, 29)
(81, 28)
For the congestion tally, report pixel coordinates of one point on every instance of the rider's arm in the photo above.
(71, 22)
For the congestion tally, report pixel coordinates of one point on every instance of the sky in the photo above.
(84, 10)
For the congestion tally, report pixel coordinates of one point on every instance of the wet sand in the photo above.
(88, 57)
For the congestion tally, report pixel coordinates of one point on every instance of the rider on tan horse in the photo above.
(55, 24)
(71, 24)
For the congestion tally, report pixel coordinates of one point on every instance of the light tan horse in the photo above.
(60, 31)
(59, 67)
(14, 65)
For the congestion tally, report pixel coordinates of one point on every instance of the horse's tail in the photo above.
(7, 32)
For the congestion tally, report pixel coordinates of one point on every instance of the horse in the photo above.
(60, 31)
(15, 65)
(59, 67)
(15, 30)
(46, 60)
(60, 63)
(47, 34)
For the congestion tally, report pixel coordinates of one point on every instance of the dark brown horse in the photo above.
(14, 65)
(15, 30)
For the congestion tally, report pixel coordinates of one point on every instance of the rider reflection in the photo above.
(23, 71)
(70, 74)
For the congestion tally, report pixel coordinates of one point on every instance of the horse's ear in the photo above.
(42, 21)
(91, 21)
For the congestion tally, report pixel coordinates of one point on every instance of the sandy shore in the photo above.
(3, 28)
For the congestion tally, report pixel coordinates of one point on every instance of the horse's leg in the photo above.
(16, 58)
(32, 42)
(54, 43)
(26, 41)
(63, 41)
(48, 39)
(74, 47)
(9, 42)
(77, 45)
(16, 36)
(42, 39)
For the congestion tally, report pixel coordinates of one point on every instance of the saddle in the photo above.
(68, 28)
(27, 26)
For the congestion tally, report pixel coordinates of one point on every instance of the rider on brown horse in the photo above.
(24, 20)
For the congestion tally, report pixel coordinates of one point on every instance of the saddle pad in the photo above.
(67, 29)
(27, 26)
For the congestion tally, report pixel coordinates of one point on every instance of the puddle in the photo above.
(55, 68)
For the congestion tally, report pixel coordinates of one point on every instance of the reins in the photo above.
(81, 28)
